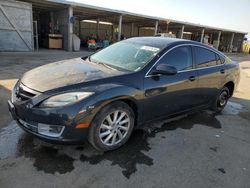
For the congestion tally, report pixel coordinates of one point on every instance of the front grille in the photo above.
(23, 93)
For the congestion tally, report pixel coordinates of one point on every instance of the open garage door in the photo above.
(16, 27)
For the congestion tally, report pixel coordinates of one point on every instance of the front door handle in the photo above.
(192, 78)
(222, 71)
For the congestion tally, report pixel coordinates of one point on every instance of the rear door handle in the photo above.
(222, 71)
(192, 78)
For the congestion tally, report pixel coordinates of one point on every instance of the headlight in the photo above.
(65, 99)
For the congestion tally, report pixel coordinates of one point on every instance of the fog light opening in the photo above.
(50, 130)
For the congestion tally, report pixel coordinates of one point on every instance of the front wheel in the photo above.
(221, 100)
(112, 126)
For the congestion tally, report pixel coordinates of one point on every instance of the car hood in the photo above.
(64, 73)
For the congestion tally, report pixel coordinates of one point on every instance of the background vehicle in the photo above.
(121, 88)
(246, 47)
(170, 35)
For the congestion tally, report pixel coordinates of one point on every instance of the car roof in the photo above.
(162, 42)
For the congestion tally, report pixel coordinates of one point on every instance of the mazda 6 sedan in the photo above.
(102, 98)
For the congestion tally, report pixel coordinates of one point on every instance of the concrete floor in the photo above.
(201, 150)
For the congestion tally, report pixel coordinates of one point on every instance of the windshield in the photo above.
(126, 55)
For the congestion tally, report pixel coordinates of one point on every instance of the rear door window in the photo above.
(205, 58)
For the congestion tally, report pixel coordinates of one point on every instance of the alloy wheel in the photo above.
(114, 127)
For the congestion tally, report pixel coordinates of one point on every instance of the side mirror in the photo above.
(164, 69)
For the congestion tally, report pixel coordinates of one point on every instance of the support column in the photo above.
(70, 29)
(211, 38)
(132, 30)
(218, 39)
(112, 33)
(97, 27)
(120, 28)
(36, 35)
(52, 22)
(231, 43)
(156, 27)
(202, 35)
(79, 28)
(182, 30)
(241, 44)
(167, 27)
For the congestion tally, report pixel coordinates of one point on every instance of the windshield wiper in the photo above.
(104, 64)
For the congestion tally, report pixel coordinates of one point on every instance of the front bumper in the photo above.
(28, 120)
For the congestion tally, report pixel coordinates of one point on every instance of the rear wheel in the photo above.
(221, 100)
(112, 126)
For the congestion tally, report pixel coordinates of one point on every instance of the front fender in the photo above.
(108, 93)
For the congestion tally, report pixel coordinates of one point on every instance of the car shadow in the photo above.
(4, 112)
(57, 158)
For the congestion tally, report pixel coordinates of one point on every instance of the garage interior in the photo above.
(58, 24)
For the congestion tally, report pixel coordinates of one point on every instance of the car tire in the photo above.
(111, 127)
(221, 100)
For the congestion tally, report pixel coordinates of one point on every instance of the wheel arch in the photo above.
(133, 105)
(130, 101)
(231, 86)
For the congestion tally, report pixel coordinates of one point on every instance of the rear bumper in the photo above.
(70, 134)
